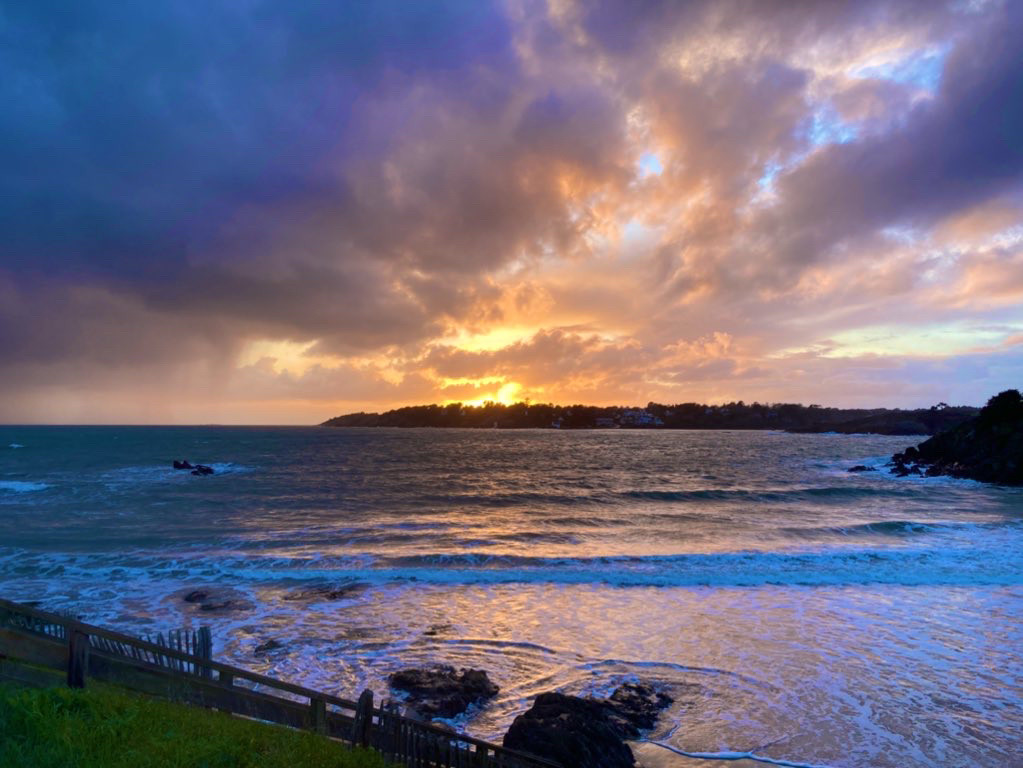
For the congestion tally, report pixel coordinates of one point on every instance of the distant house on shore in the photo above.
(636, 417)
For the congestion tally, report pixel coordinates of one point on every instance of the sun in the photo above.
(506, 395)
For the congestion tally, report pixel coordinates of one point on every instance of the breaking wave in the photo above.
(21, 486)
(917, 567)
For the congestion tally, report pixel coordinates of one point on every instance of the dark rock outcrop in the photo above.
(988, 448)
(587, 733)
(182, 464)
(571, 730)
(441, 691)
(634, 707)
(861, 468)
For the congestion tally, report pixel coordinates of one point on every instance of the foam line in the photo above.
(734, 756)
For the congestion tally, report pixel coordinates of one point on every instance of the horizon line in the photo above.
(194, 425)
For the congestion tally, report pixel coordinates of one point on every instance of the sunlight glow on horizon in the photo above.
(507, 394)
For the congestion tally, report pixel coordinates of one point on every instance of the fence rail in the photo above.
(170, 668)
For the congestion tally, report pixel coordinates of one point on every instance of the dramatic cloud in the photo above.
(276, 212)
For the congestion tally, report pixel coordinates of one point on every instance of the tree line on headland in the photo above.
(736, 415)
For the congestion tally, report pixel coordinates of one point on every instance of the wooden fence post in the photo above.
(318, 717)
(204, 649)
(363, 727)
(225, 678)
(77, 658)
(389, 723)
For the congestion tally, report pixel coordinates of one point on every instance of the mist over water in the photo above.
(790, 607)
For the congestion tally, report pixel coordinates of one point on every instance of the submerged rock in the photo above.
(441, 691)
(584, 732)
(862, 468)
(269, 645)
(988, 447)
(313, 594)
(217, 600)
(437, 629)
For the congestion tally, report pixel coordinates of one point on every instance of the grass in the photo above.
(104, 727)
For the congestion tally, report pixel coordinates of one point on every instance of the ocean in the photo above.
(794, 610)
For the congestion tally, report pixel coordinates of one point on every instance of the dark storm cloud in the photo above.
(183, 158)
(962, 149)
(133, 131)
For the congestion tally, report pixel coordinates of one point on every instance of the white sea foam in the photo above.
(15, 445)
(21, 486)
(860, 567)
(736, 755)
(229, 468)
(149, 474)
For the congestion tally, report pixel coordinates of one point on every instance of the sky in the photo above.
(275, 212)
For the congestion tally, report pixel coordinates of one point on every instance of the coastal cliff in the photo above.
(988, 447)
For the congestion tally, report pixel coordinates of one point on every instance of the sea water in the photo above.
(794, 610)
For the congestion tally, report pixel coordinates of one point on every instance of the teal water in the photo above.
(841, 619)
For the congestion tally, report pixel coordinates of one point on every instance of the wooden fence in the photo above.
(193, 643)
(29, 636)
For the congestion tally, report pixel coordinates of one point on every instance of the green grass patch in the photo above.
(104, 727)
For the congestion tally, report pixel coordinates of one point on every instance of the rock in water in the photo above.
(441, 691)
(573, 731)
(217, 599)
(196, 469)
(988, 447)
(587, 733)
(317, 593)
(634, 707)
(861, 468)
(267, 647)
